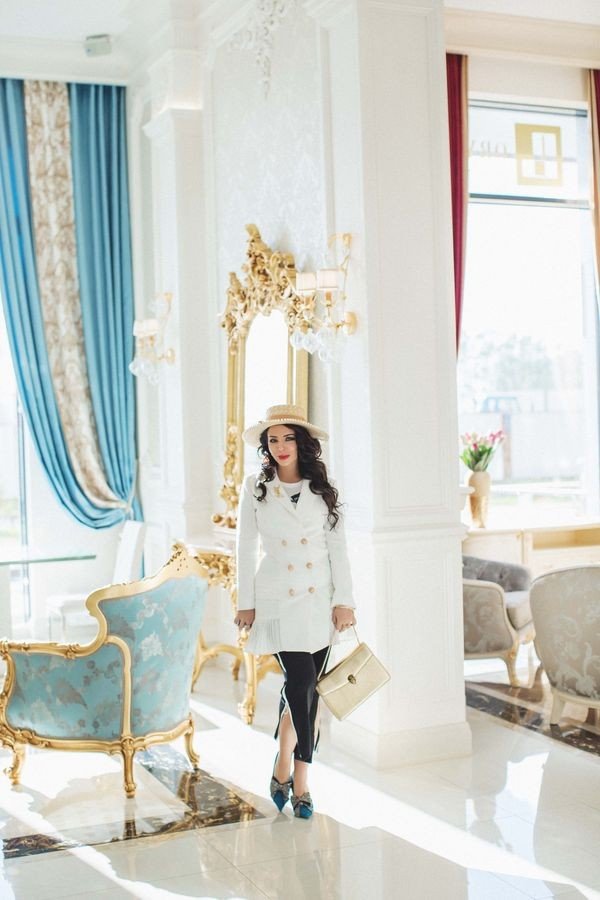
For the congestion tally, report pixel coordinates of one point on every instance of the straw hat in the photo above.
(282, 415)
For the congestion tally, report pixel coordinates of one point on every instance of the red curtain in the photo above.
(456, 69)
(595, 118)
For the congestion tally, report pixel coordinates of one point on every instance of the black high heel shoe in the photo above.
(280, 790)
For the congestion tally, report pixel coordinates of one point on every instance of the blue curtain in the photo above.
(101, 196)
(22, 311)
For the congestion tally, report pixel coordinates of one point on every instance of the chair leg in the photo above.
(128, 752)
(14, 770)
(511, 664)
(247, 707)
(235, 667)
(558, 704)
(189, 745)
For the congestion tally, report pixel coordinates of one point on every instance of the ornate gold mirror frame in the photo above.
(269, 276)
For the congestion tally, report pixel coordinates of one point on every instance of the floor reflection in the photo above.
(529, 706)
(206, 802)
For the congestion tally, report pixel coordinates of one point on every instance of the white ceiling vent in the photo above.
(97, 45)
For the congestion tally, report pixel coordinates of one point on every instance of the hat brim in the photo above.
(252, 435)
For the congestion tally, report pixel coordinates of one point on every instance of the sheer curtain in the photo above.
(595, 119)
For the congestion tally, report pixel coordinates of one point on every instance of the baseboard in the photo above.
(384, 751)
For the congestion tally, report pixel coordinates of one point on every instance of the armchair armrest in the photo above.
(64, 697)
(486, 625)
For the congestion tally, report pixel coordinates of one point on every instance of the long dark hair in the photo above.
(311, 466)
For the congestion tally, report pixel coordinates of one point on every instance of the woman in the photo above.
(302, 589)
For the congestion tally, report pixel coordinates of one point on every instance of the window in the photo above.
(13, 518)
(528, 355)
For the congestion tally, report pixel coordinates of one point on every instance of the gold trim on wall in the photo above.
(269, 276)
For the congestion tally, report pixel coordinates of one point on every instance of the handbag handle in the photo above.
(324, 670)
(355, 633)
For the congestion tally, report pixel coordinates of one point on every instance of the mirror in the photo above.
(263, 369)
(265, 373)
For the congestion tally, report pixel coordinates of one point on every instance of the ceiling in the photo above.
(64, 20)
(585, 12)
(72, 20)
(44, 38)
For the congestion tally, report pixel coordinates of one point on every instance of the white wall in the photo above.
(267, 150)
(491, 78)
(267, 161)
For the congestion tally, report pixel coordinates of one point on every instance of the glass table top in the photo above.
(15, 556)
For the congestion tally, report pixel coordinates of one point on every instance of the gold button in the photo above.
(284, 543)
(311, 590)
(304, 541)
(290, 568)
(309, 565)
(292, 592)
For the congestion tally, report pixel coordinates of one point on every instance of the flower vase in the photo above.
(479, 500)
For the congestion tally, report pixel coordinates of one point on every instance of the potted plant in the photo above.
(477, 454)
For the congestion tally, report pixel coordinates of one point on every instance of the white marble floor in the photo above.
(520, 818)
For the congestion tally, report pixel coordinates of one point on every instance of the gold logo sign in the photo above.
(539, 155)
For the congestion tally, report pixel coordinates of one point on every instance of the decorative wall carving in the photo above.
(268, 156)
(257, 34)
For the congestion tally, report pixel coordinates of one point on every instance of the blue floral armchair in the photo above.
(127, 689)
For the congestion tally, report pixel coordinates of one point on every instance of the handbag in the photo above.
(352, 681)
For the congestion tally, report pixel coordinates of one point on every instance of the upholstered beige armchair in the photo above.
(497, 614)
(566, 612)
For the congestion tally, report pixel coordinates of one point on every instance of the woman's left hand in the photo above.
(343, 618)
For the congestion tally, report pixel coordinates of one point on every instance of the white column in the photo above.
(177, 487)
(384, 76)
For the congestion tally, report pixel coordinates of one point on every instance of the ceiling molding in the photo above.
(223, 18)
(518, 37)
(51, 60)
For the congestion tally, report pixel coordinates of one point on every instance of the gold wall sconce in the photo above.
(321, 321)
(149, 335)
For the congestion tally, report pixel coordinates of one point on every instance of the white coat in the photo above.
(302, 574)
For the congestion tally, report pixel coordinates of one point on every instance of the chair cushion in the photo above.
(79, 699)
(510, 576)
(518, 608)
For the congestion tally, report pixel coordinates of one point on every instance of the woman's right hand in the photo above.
(244, 618)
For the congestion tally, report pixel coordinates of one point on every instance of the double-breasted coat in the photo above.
(292, 568)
